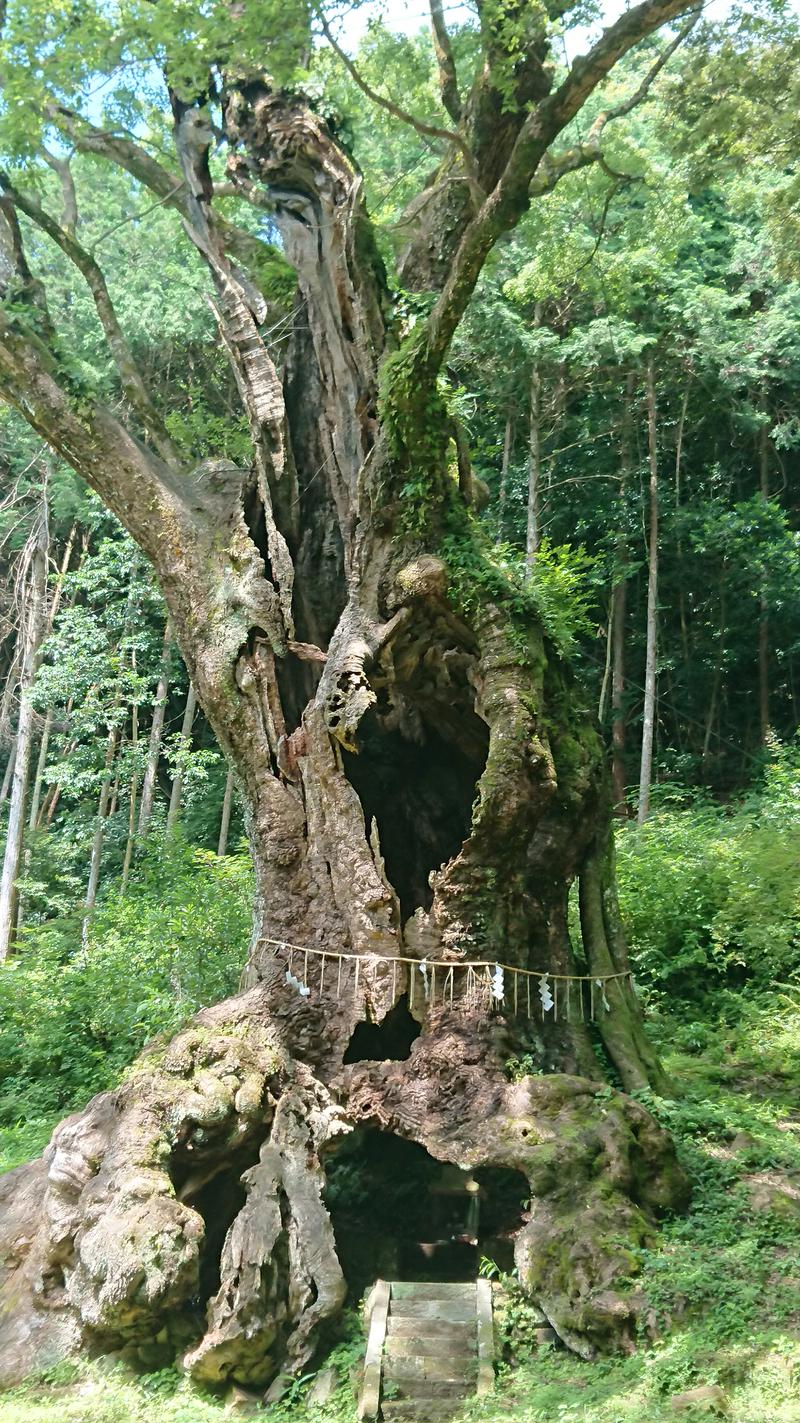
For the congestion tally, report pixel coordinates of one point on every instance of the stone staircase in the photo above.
(430, 1346)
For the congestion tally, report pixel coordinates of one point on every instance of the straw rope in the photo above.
(450, 963)
(486, 983)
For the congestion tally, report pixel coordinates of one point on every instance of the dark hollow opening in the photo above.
(219, 1203)
(398, 1214)
(217, 1194)
(504, 1202)
(255, 519)
(389, 1041)
(420, 794)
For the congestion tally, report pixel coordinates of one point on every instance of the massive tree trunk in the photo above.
(421, 788)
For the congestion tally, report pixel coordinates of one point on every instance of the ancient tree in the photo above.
(422, 784)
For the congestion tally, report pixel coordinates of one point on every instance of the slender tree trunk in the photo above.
(8, 774)
(763, 619)
(53, 794)
(103, 810)
(113, 802)
(718, 669)
(684, 622)
(604, 687)
(38, 780)
(156, 737)
(7, 699)
(619, 599)
(132, 795)
(52, 805)
(177, 781)
(35, 585)
(649, 711)
(508, 438)
(227, 802)
(534, 530)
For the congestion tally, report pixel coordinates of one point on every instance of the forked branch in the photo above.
(511, 196)
(632, 102)
(426, 130)
(170, 187)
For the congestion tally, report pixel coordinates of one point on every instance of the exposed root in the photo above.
(121, 1248)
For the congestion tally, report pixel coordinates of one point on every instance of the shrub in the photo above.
(711, 894)
(71, 1019)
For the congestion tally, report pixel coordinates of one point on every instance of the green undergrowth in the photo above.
(73, 1016)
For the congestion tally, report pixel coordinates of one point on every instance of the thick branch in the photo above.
(130, 377)
(143, 493)
(448, 78)
(61, 166)
(15, 274)
(570, 160)
(238, 313)
(511, 196)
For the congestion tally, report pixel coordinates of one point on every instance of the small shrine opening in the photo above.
(400, 1214)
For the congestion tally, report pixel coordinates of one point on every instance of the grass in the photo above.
(24, 1140)
(724, 1282)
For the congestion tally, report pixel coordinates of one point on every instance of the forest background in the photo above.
(628, 378)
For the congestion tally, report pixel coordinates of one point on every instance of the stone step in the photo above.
(443, 1390)
(420, 1410)
(432, 1289)
(418, 1367)
(430, 1350)
(457, 1311)
(429, 1388)
(400, 1326)
(419, 1345)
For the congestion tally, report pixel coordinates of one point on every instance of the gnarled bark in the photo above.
(183, 1214)
(419, 780)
